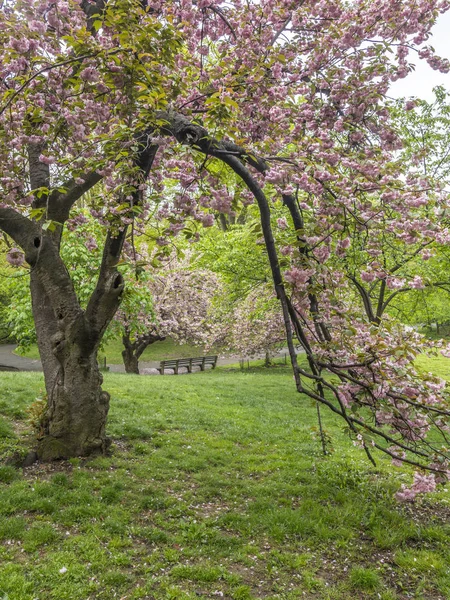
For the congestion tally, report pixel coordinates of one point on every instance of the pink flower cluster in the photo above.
(15, 257)
(422, 484)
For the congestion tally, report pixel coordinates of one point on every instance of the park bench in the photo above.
(187, 363)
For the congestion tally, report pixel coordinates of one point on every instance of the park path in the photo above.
(9, 359)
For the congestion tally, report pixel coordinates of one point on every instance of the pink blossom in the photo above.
(47, 160)
(322, 253)
(417, 283)
(297, 276)
(21, 45)
(345, 243)
(207, 219)
(394, 283)
(15, 257)
(368, 276)
(90, 74)
(422, 484)
(91, 244)
(37, 26)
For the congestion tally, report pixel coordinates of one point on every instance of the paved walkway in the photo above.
(9, 359)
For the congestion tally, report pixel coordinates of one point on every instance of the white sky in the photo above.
(421, 82)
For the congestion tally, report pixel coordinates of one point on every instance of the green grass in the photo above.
(155, 352)
(438, 365)
(216, 488)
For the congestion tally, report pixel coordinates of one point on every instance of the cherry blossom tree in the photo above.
(236, 253)
(257, 325)
(286, 99)
(67, 103)
(183, 308)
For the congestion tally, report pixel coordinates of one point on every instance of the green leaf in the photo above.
(230, 102)
(37, 213)
(50, 225)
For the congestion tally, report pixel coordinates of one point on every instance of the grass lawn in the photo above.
(155, 352)
(438, 365)
(216, 488)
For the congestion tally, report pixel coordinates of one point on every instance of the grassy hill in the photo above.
(216, 488)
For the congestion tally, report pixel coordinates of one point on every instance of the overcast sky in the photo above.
(422, 81)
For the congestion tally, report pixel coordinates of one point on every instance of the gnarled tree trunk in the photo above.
(130, 360)
(77, 407)
(132, 351)
(68, 340)
(75, 423)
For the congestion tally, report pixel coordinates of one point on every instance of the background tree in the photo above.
(160, 299)
(237, 254)
(184, 308)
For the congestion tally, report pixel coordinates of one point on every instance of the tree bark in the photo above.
(131, 363)
(130, 360)
(77, 406)
(68, 340)
(133, 351)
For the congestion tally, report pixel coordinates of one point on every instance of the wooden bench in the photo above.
(187, 363)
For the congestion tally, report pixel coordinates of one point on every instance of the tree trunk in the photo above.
(77, 408)
(46, 327)
(131, 364)
(68, 339)
(133, 351)
(223, 223)
(130, 360)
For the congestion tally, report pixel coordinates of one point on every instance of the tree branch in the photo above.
(366, 300)
(105, 299)
(186, 132)
(60, 203)
(197, 137)
(92, 10)
(22, 230)
(39, 171)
